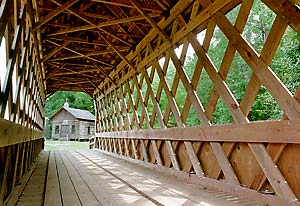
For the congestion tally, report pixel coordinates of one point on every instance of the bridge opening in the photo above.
(74, 119)
(203, 90)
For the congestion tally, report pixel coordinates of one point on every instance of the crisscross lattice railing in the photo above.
(144, 106)
(22, 94)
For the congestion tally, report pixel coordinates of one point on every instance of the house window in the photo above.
(56, 129)
(73, 129)
(89, 130)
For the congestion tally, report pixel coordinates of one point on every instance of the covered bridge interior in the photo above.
(131, 57)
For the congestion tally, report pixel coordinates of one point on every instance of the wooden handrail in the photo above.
(281, 131)
(12, 133)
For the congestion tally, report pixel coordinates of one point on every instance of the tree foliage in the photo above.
(285, 64)
(77, 100)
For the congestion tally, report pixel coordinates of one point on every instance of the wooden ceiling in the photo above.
(83, 41)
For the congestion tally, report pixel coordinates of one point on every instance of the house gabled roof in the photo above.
(80, 114)
(77, 113)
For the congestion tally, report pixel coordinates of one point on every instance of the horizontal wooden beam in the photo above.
(126, 3)
(83, 41)
(73, 72)
(95, 53)
(73, 64)
(282, 131)
(12, 133)
(89, 14)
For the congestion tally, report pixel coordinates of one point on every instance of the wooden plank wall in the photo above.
(262, 155)
(22, 97)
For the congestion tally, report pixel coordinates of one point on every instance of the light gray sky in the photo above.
(2, 61)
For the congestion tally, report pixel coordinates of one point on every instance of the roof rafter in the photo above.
(88, 54)
(116, 50)
(126, 3)
(102, 71)
(102, 24)
(55, 13)
(82, 17)
(76, 52)
(125, 30)
(150, 20)
(104, 38)
(55, 51)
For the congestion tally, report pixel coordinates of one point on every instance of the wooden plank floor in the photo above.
(88, 177)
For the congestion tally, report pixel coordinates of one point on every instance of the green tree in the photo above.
(77, 100)
(286, 65)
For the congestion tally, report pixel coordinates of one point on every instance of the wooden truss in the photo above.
(115, 51)
(22, 97)
(93, 35)
(132, 123)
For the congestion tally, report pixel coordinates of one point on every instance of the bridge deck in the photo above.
(90, 178)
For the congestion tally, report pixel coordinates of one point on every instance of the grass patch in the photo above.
(51, 145)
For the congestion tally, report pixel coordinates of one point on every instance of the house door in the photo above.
(64, 131)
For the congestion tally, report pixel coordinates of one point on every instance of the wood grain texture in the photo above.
(131, 56)
(229, 151)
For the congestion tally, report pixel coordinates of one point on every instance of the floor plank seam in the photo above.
(70, 177)
(83, 180)
(97, 179)
(215, 189)
(34, 189)
(46, 175)
(168, 189)
(61, 198)
(126, 183)
(18, 190)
